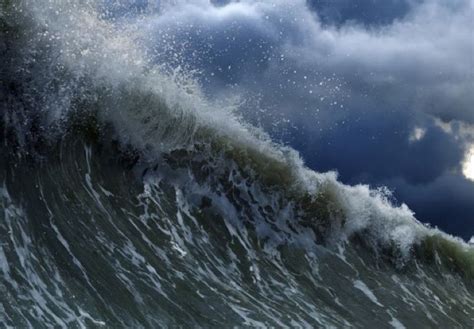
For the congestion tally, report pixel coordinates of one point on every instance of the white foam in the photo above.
(358, 284)
(396, 324)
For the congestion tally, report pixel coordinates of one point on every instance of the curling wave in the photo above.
(130, 199)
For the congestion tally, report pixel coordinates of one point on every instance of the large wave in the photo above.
(131, 199)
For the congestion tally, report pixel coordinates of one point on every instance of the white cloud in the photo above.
(468, 164)
(417, 134)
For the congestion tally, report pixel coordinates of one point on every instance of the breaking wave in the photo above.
(130, 199)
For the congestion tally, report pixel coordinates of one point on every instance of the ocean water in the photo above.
(130, 199)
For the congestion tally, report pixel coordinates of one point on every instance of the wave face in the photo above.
(130, 200)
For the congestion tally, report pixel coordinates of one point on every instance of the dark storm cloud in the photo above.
(421, 63)
(357, 86)
(368, 12)
(380, 146)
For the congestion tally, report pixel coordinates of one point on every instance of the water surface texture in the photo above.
(129, 199)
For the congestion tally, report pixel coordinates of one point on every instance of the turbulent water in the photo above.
(128, 199)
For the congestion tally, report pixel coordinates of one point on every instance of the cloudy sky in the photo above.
(380, 90)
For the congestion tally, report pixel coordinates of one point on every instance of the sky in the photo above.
(382, 91)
